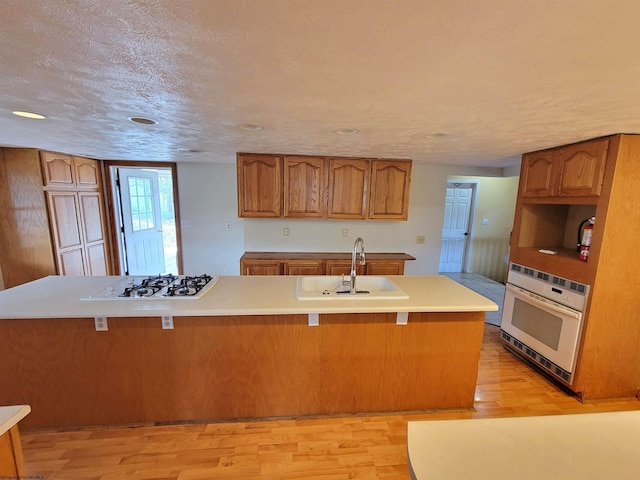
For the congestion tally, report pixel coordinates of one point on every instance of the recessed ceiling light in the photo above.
(143, 121)
(249, 127)
(347, 131)
(35, 116)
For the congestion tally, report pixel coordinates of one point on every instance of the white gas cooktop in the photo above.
(164, 287)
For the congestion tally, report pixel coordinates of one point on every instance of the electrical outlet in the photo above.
(167, 322)
(185, 223)
(228, 226)
(345, 232)
(101, 324)
(285, 231)
(420, 239)
(485, 221)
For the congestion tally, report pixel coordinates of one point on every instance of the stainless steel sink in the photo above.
(329, 287)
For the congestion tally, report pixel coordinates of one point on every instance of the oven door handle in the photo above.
(549, 305)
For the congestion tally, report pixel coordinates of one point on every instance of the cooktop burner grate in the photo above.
(156, 287)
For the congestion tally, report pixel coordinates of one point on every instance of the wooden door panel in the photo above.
(348, 187)
(389, 195)
(97, 259)
(58, 169)
(87, 172)
(71, 262)
(259, 185)
(261, 267)
(385, 267)
(25, 230)
(537, 174)
(304, 267)
(343, 267)
(92, 216)
(64, 219)
(581, 168)
(305, 187)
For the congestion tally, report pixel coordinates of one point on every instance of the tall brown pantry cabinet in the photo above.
(559, 187)
(52, 217)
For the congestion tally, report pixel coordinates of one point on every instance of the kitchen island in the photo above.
(248, 348)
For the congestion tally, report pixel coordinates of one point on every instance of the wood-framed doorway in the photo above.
(114, 210)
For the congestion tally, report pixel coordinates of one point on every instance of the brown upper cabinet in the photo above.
(573, 171)
(389, 197)
(67, 171)
(322, 187)
(259, 185)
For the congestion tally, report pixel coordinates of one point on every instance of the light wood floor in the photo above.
(356, 447)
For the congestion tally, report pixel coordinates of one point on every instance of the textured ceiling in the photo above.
(498, 77)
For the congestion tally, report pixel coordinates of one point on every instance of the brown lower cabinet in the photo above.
(267, 366)
(320, 263)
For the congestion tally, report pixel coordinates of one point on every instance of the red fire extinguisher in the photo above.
(585, 243)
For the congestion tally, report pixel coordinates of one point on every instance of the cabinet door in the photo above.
(537, 174)
(259, 185)
(261, 267)
(385, 267)
(304, 267)
(87, 172)
(93, 228)
(343, 267)
(305, 180)
(389, 195)
(72, 262)
(348, 186)
(581, 168)
(58, 169)
(64, 212)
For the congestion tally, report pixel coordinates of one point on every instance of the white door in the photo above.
(141, 221)
(455, 228)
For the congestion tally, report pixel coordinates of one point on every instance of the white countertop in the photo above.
(59, 297)
(591, 446)
(11, 415)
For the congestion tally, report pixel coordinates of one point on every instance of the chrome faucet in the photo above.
(352, 283)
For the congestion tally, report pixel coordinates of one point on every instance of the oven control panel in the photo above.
(559, 289)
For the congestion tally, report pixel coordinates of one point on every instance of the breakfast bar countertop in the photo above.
(60, 297)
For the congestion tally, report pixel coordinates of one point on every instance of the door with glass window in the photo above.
(141, 221)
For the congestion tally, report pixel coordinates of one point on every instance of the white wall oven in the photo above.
(542, 318)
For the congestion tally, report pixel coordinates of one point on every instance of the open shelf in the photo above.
(552, 226)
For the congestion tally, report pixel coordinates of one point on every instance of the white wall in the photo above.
(495, 202)
(208, 198)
